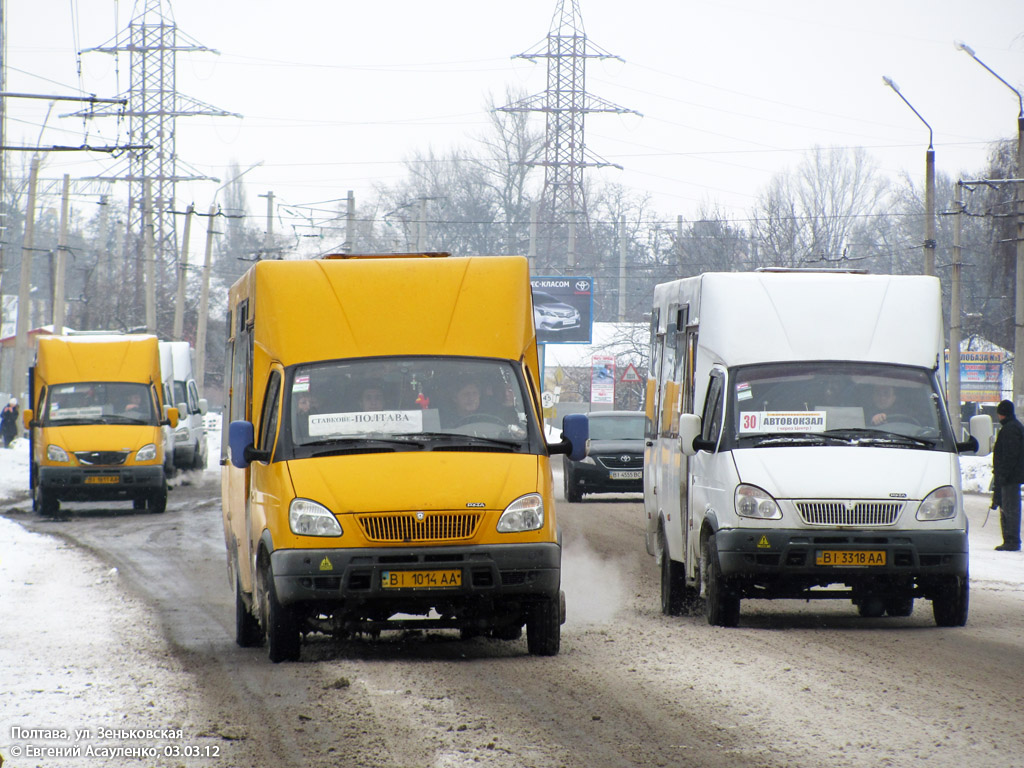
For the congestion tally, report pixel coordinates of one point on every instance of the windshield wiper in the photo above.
(880, 436)
(363, 444)
(793, 438)
(450, 438)
(114, 419)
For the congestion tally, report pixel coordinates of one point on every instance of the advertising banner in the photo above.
(563, 309)
(602, 379)
(981, 375)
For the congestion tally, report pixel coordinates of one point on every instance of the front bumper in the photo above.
(353, 578)
(595, 478)
(767, 556)
(98, 483)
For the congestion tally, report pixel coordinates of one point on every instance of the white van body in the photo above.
(766, 475)
(190, 448)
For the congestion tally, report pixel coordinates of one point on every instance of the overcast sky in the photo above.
(335, 95)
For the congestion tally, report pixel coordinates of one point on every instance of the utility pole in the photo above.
(953, 385)
(61, 267)
(268, 237)
(204, 301)
(622, 269)
(179, 300)
(350, 223)
(18, 380)
(149, 256)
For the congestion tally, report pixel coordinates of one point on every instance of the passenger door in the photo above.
(705, 483)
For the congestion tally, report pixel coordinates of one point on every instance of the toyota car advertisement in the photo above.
(563, 309)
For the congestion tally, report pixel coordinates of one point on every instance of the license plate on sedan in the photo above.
(850, 557)
(102, 480)
(439, 579)
(626, 474)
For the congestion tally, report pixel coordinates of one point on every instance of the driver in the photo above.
(467, 403)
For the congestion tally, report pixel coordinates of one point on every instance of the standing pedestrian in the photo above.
(9, 422)
(1008, 474)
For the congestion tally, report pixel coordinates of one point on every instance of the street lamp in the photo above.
(1018, 315)
(929, 186)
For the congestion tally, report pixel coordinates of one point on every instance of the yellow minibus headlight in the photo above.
(307, 518)
(524, 514)
(146, 453)
(56, 453)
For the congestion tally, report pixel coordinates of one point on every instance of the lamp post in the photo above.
(929, 186)
(1018, 314)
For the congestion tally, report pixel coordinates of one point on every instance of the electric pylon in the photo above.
(565, 104)
(153, 41)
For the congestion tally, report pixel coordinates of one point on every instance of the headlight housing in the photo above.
(56, 453)
(753, 502)
(146, 453)
(307, 518)
(181, 435)
(524, 514)
(940, 504)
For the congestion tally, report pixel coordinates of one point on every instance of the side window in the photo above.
(268, 419)
(712, 418)
(193, 398)
(651, 404)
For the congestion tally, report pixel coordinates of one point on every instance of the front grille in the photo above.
(857, 513)
(403, 526)
(102, 458)
(621, 461)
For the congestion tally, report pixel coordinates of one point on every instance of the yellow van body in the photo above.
(408, 516)
(95, 422)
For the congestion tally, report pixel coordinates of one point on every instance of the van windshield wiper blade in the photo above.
(793, 438)
(881, 436)
(454, 438)
(363, 444)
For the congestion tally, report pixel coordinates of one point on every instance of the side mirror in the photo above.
(575, 434)
(182, 409)
(171, 416)
(689, 433)
(241, 437)
(980, 443)
(204, 406)
(26, 418)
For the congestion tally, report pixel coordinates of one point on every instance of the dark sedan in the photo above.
(615, 461)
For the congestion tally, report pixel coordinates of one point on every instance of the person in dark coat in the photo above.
(9, 422)
(1008, 474)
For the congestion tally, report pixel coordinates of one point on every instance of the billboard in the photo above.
(563, 309)
(981, 375)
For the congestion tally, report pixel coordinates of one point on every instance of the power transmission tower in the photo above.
(565, 103)
(153, 42)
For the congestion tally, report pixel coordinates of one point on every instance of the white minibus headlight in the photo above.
(751, 501)
(56, 453)
(146, 453)
(524, 514)
(940, 504)
(181, 435)
(307, 518)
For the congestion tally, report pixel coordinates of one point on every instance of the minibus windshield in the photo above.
(832, 403)
(98, 402)
(406, 403)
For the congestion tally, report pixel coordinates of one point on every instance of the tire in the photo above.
(247, 628)
(139, 503)
(900, 606)
(279, 626)
(572, 493)
(950, 601)
(676, 598)
(198, 460)
(871, 607)
(544, 628)
(46, 502)
(158, 501)
(721, 603)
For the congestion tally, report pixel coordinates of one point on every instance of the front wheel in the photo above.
(247, 628)
(950, 601)
(572, 493)
(544, 627)
(676, 598)
(722, 604)
(158, 501)
(279, 625)
(45, 502)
